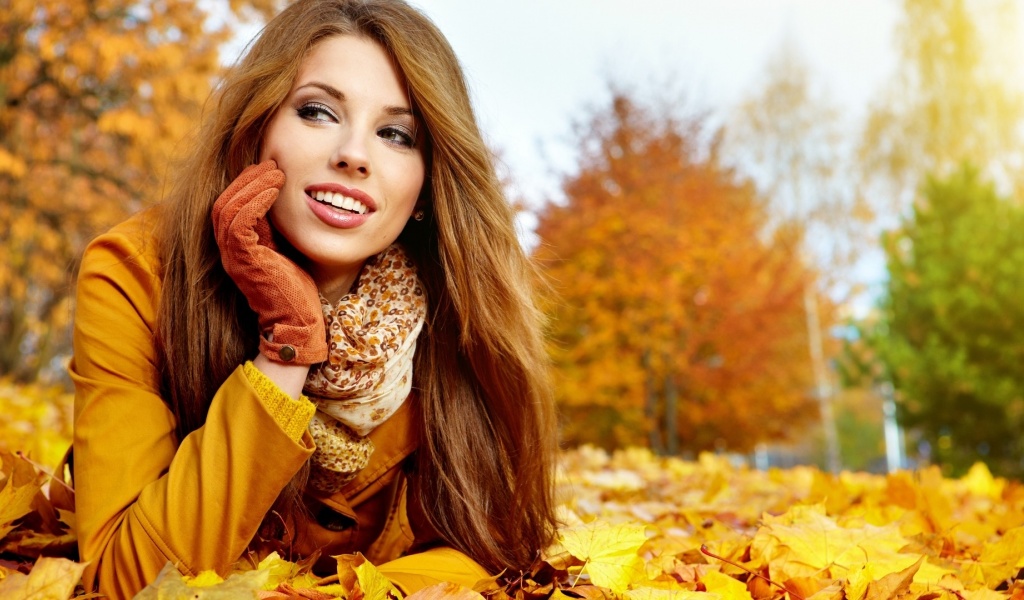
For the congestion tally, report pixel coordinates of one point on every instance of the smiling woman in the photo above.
(323, 341)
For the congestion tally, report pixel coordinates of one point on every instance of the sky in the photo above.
(536, 66)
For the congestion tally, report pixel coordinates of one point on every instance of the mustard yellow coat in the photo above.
(143, 499)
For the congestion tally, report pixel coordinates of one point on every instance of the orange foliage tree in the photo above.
(672, 314)
(94, 99)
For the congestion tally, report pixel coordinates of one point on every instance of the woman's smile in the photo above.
(339, 206)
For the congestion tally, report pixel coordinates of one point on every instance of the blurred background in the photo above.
(787, 231)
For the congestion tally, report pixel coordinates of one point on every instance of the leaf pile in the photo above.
(641, 527)
(798, 532)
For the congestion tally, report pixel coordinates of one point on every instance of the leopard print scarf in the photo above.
(367, 376)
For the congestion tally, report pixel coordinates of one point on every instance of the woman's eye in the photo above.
(398, 136)
(315, 111)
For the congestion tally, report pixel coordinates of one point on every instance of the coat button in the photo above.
(287, 353)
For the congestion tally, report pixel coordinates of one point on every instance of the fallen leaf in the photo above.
(204, 579)
(893, 584)
(1002, 559)
(979, 481)
(608, 551)
(830, 592)
(50, 579)
(443, 590)
(727, 588)
(171, 585)
(15, 503)
(805, 542)
(647, 593)
(357, 573)
(806, 587)
(280, 571)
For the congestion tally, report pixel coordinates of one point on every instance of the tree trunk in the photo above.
(671, 423)
(822, 389)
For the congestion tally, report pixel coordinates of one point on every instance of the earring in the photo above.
(419, 215)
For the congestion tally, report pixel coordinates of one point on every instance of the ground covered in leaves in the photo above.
(641, 527)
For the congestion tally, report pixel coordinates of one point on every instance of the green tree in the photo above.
(950, 331)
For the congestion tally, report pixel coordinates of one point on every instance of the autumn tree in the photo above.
(950, 331)
(94, 99)
(673, 315)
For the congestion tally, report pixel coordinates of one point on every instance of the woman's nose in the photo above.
(351, 154)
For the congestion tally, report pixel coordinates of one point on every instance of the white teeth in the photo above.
(340, 201)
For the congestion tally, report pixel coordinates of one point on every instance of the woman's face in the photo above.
(350, 150)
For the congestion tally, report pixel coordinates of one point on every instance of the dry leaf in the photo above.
(893, 584)
(445, 590)
(357, 573)
(646, 593)
(15, 503)
(1003, 559)
(50, 579)
(725, 587)
(171, 585)
(609, 552)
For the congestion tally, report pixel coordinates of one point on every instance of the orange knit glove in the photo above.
(283, 296)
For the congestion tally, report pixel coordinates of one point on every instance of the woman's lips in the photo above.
(336, 217)
(341, 201)
(339, 206)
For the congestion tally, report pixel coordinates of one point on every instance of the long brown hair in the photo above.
(485, 462)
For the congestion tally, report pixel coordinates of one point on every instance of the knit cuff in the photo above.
(292, 415)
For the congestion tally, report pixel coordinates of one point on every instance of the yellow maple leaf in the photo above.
(979, 480)
(50, 579)
(354, 571)
(727, 588)
(983, 594)
(609, 551)
(860, 579)
(375, 586)
(15, 503)
(280, 571)
(445, 591)
(930, 575)
(204, 579)
(804, 542)
(171, 585)
(1001, 560)
(892, 584)
(648, 593)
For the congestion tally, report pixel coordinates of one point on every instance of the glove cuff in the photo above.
(295, 345)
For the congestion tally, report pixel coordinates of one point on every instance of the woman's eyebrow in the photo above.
(398, 111)
(333, 92)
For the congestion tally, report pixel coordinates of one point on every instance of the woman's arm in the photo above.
(143, 499)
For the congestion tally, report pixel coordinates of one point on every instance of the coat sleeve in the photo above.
(143, 499)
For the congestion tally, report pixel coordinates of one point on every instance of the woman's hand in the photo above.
(283, 296)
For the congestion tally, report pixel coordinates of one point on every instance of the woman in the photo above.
(323, 341)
